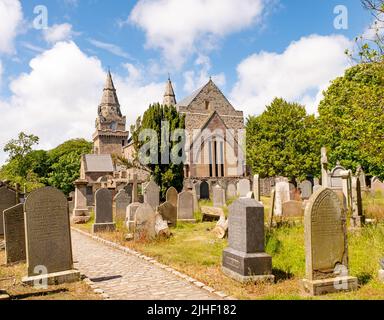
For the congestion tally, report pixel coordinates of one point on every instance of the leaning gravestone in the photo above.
(171, 196)
(218, 195)
(169, 213)
(245, 259)
(122, 201)
(131, 215)
(231, 191)
(185, 207)
(152, 194)
(204, 190)
(326, 245)
(7, 200)
(14, 234)
(244, 187)
(292, 209)
(48, 238)
(145, 223)
(103, 212)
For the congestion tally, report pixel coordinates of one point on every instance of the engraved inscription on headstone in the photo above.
(103, 211)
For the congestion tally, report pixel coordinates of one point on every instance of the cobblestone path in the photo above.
(126, 277)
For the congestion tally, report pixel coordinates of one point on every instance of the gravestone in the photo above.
(48, 238)
(292, 209)
(145, 222)
(231, 191)
(256, 187)
(282, 195)
(336, 177)
(14, 234)
(292, 191)
(152, 194)
(7, 200)
(377, 185)
(80, 211)
(244, 187)
(204, 190)
(185, 207)
(218, 195)
(130, 215)
(171, 196)
(326, 246)
(245, 259)
(357, 219)
(266, 186)
(129, 190)
(306, 189)
(103, 212)
(122, 201)
(197, 189)
(161, 227)
(169, 213)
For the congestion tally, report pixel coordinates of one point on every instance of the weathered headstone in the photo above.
(185, 207)
(231, 191)
(197, 189)
(103, 211)
(292, 209)
(145, 223)
(14, 234)
(357, 219)
(326, 245)
(377, 185)
(171, 196)
(130, 215)
(48, 238)
(122, 201)
(256, 187)
(169, 213)
(306, 189)
(244, 187)
(7, 200)
(282, 195)
(218, 195)
(204, 190)
(211, 213)
(152, 194)
(245, 259)
(336, 176)
(161, 227)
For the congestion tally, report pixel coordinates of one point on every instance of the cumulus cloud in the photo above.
(299, 74)
(57, 99)
(180, 28)
(58, 32)
(11, 16)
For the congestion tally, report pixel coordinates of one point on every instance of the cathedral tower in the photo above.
(110, 136)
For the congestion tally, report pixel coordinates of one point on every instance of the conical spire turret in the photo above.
(169, 95)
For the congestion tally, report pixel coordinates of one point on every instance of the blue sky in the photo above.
(51, 80)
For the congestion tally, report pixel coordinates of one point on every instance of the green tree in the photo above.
(283, 142)
(165, 175)
(351, 118)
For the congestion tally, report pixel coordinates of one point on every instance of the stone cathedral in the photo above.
(213, 128)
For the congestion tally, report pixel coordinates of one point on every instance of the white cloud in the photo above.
(58, 32)
(299, 74)
(181, 27)
(114, 49)
(11, 17)
(194, 80)
(1, 73)
(57, 99)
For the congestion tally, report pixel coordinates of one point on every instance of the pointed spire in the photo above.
(169, 96)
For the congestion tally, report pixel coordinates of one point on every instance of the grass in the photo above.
(10, 281)
(194, 250)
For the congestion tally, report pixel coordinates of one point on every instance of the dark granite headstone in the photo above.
(14, 234)
(245, 260)
(48, 238)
